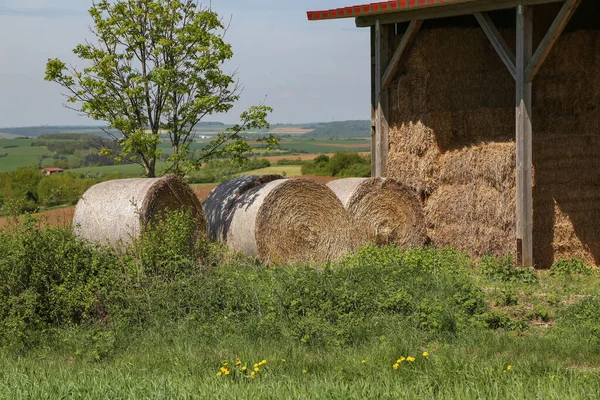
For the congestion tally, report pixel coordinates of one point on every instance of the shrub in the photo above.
(49, 278)
(569, 267)
(342, 165)
(504, 270)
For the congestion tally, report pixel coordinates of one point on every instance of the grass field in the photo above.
(309, 336)
(285, 170)
(20, 153)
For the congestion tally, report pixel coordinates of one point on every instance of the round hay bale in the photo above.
(220, 201)
(383, 211)
(290, 221)
(116, 211)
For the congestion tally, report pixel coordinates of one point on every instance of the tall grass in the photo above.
(78, 321)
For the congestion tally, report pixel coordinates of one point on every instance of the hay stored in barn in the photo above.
(116, 211)
(218, 205)
(452, 132)
(383, 211)
(290, 221)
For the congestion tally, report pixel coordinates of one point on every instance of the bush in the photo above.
(341, 165)
(504, 270)
(285, 161)
(569, 267)
(49, 278)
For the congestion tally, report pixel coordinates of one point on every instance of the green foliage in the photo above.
(63, 188)
(19, 190)
(504, 270)
(286, 161)
(573, 266)
(156, 68)
(169, 246)
(582, 320)
(27, 189)
(48, 279)
(217, 171)
(342, 165)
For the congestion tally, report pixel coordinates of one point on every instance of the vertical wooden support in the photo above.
(381, 99)
(524, 137)
(373, 106)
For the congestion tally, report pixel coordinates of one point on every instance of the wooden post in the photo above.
(524, 137)
(373, 107)
(381, 100)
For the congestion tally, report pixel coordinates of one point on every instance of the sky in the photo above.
(307, 71)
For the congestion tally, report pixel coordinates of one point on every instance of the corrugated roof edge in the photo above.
(373, 8)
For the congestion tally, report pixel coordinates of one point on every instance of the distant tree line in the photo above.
(27, 189)
(341, 165)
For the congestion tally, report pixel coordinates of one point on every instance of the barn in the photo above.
(490, 109)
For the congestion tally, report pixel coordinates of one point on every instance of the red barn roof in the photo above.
(382, 7)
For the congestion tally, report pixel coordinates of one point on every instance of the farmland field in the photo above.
(285, 170)
(20, 153)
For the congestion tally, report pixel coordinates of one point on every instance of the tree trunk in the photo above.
(150, 168)
(176, 153)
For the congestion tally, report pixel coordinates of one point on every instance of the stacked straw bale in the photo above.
(383, 211)
(290, 221)
(115, 212)
(218, 204)
(452, 131)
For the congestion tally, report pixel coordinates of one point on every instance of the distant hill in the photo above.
(341, 129)
(35, 131)
(322, 130)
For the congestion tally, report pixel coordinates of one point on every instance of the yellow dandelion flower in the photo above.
(410, 358)
(255, 365)
(227, 372)
(553, 377)
(396, 366)
(238, 362)
(401, 360)
(283, 360)
(252, 375)
(364, 361)
(219, 373)
(304, 371)
(425, 354)
(256, 369)
(223, 369)
(504, 371)
(263, 362)
(509, 367)
(244, 368)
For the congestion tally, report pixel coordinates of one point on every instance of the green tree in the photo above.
(156, 68)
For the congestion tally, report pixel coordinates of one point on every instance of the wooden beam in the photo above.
(396, 61)
(524, 133)
(381, 100)
(495, 37)
(445, 11)
(378, 110)
(546, 45)
(373, 107)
